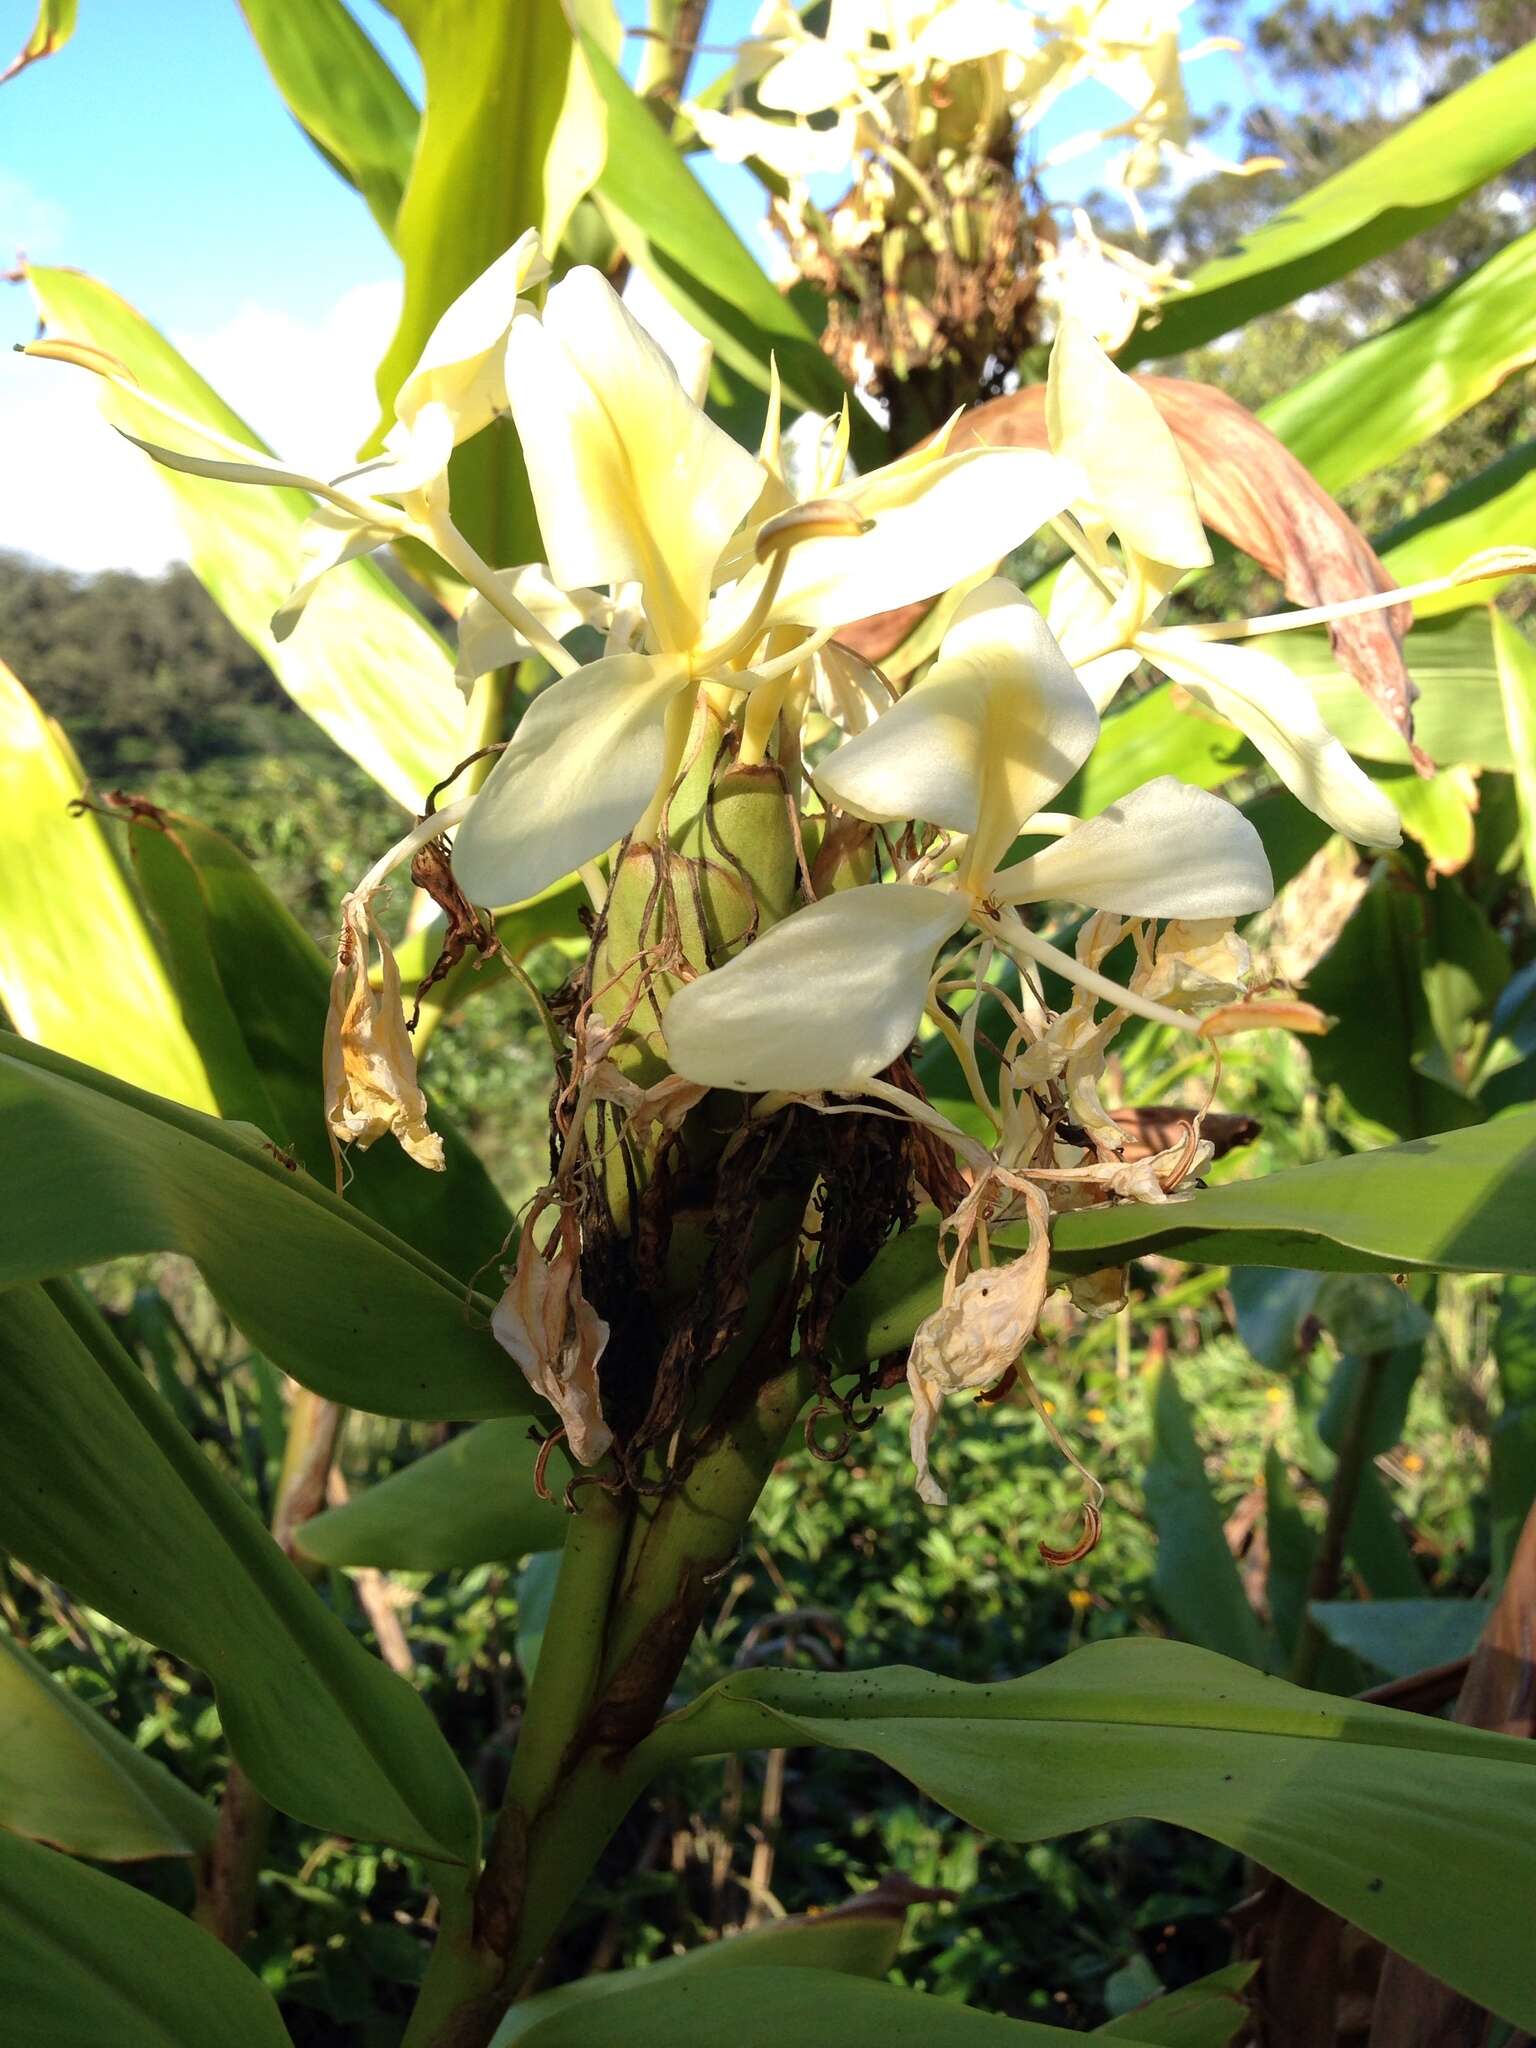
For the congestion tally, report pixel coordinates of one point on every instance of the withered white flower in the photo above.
(371, 1087)
(556, 1336)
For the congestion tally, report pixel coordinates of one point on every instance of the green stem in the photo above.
(1343, 1494)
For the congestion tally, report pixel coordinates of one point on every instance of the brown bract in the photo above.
(370, 1066)
(1254, 492)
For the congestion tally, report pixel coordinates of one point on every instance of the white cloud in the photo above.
(72, 492)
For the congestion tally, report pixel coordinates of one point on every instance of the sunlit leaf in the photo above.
(342, 93)
(1494, 509)
(53, 28)
(105, 1492)
(362, 662)
(1387, 394)
(1515, 660)
(70, 920)
(476, 184)
(1406, 184)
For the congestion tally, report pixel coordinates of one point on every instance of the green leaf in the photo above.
(84, 1958)
(1148, 737)
(1399, 1637)
(667, 223)
(256, 988)
(1205, 2014)
(846, 1940)
(68, 1778)
(766, 2008)
(494, 80)
(54, 26)
(1311, 1787)
(1196, 1578)
(1458, 1203)
(342, 93)
(1459, 715)
(330, 1296)
(1516, 664)
(1495, 508)
(1432, 963)
(103, 1491)
(1391, 392)
(53, 966)
(468, 1503)
(1513, 1447)
(1407, 183)
(362, 662)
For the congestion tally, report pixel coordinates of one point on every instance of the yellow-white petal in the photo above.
(327, 539)
(631, 481)
(824, 1000)
(1107, 426)
(998, 726)
(1077, 614)
(1277, 712)
(933, 524)
(790, 148)
(463, 366)
(577, 776)
(1166, 850)
(969, 30)
(488, 639)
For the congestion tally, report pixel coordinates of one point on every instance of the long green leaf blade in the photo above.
(1515, 659)
(330, 1296)
(69, 913)
(1457, 1202)
(342, 93)
(68, 1778)
(362, 661)
(476, 184)
(1394, 390)
(1407, 183)
(85, 1958)
(105, 1492)
(1416, 1830)
(256, 988)
(465, 1504)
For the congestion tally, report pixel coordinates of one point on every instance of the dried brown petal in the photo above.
(369, 1063)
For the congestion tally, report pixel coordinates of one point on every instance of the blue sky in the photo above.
(154, 153)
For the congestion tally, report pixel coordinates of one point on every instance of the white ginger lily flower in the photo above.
(828, 998)
(1130, 480)
(456, 388)
(488, 639)
(634, 485)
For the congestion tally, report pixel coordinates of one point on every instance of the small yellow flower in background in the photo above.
(1080, 1598)
(1412, 1462)
(1274, 1395)
(1095, 1415)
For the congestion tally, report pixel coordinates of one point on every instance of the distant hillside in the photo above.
(144, 673)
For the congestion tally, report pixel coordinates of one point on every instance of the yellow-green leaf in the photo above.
(53, 28)
(1516, 660)
(342, 93)
(362, 662)
(79, 968)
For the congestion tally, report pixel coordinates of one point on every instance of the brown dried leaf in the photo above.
(1251, 489)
